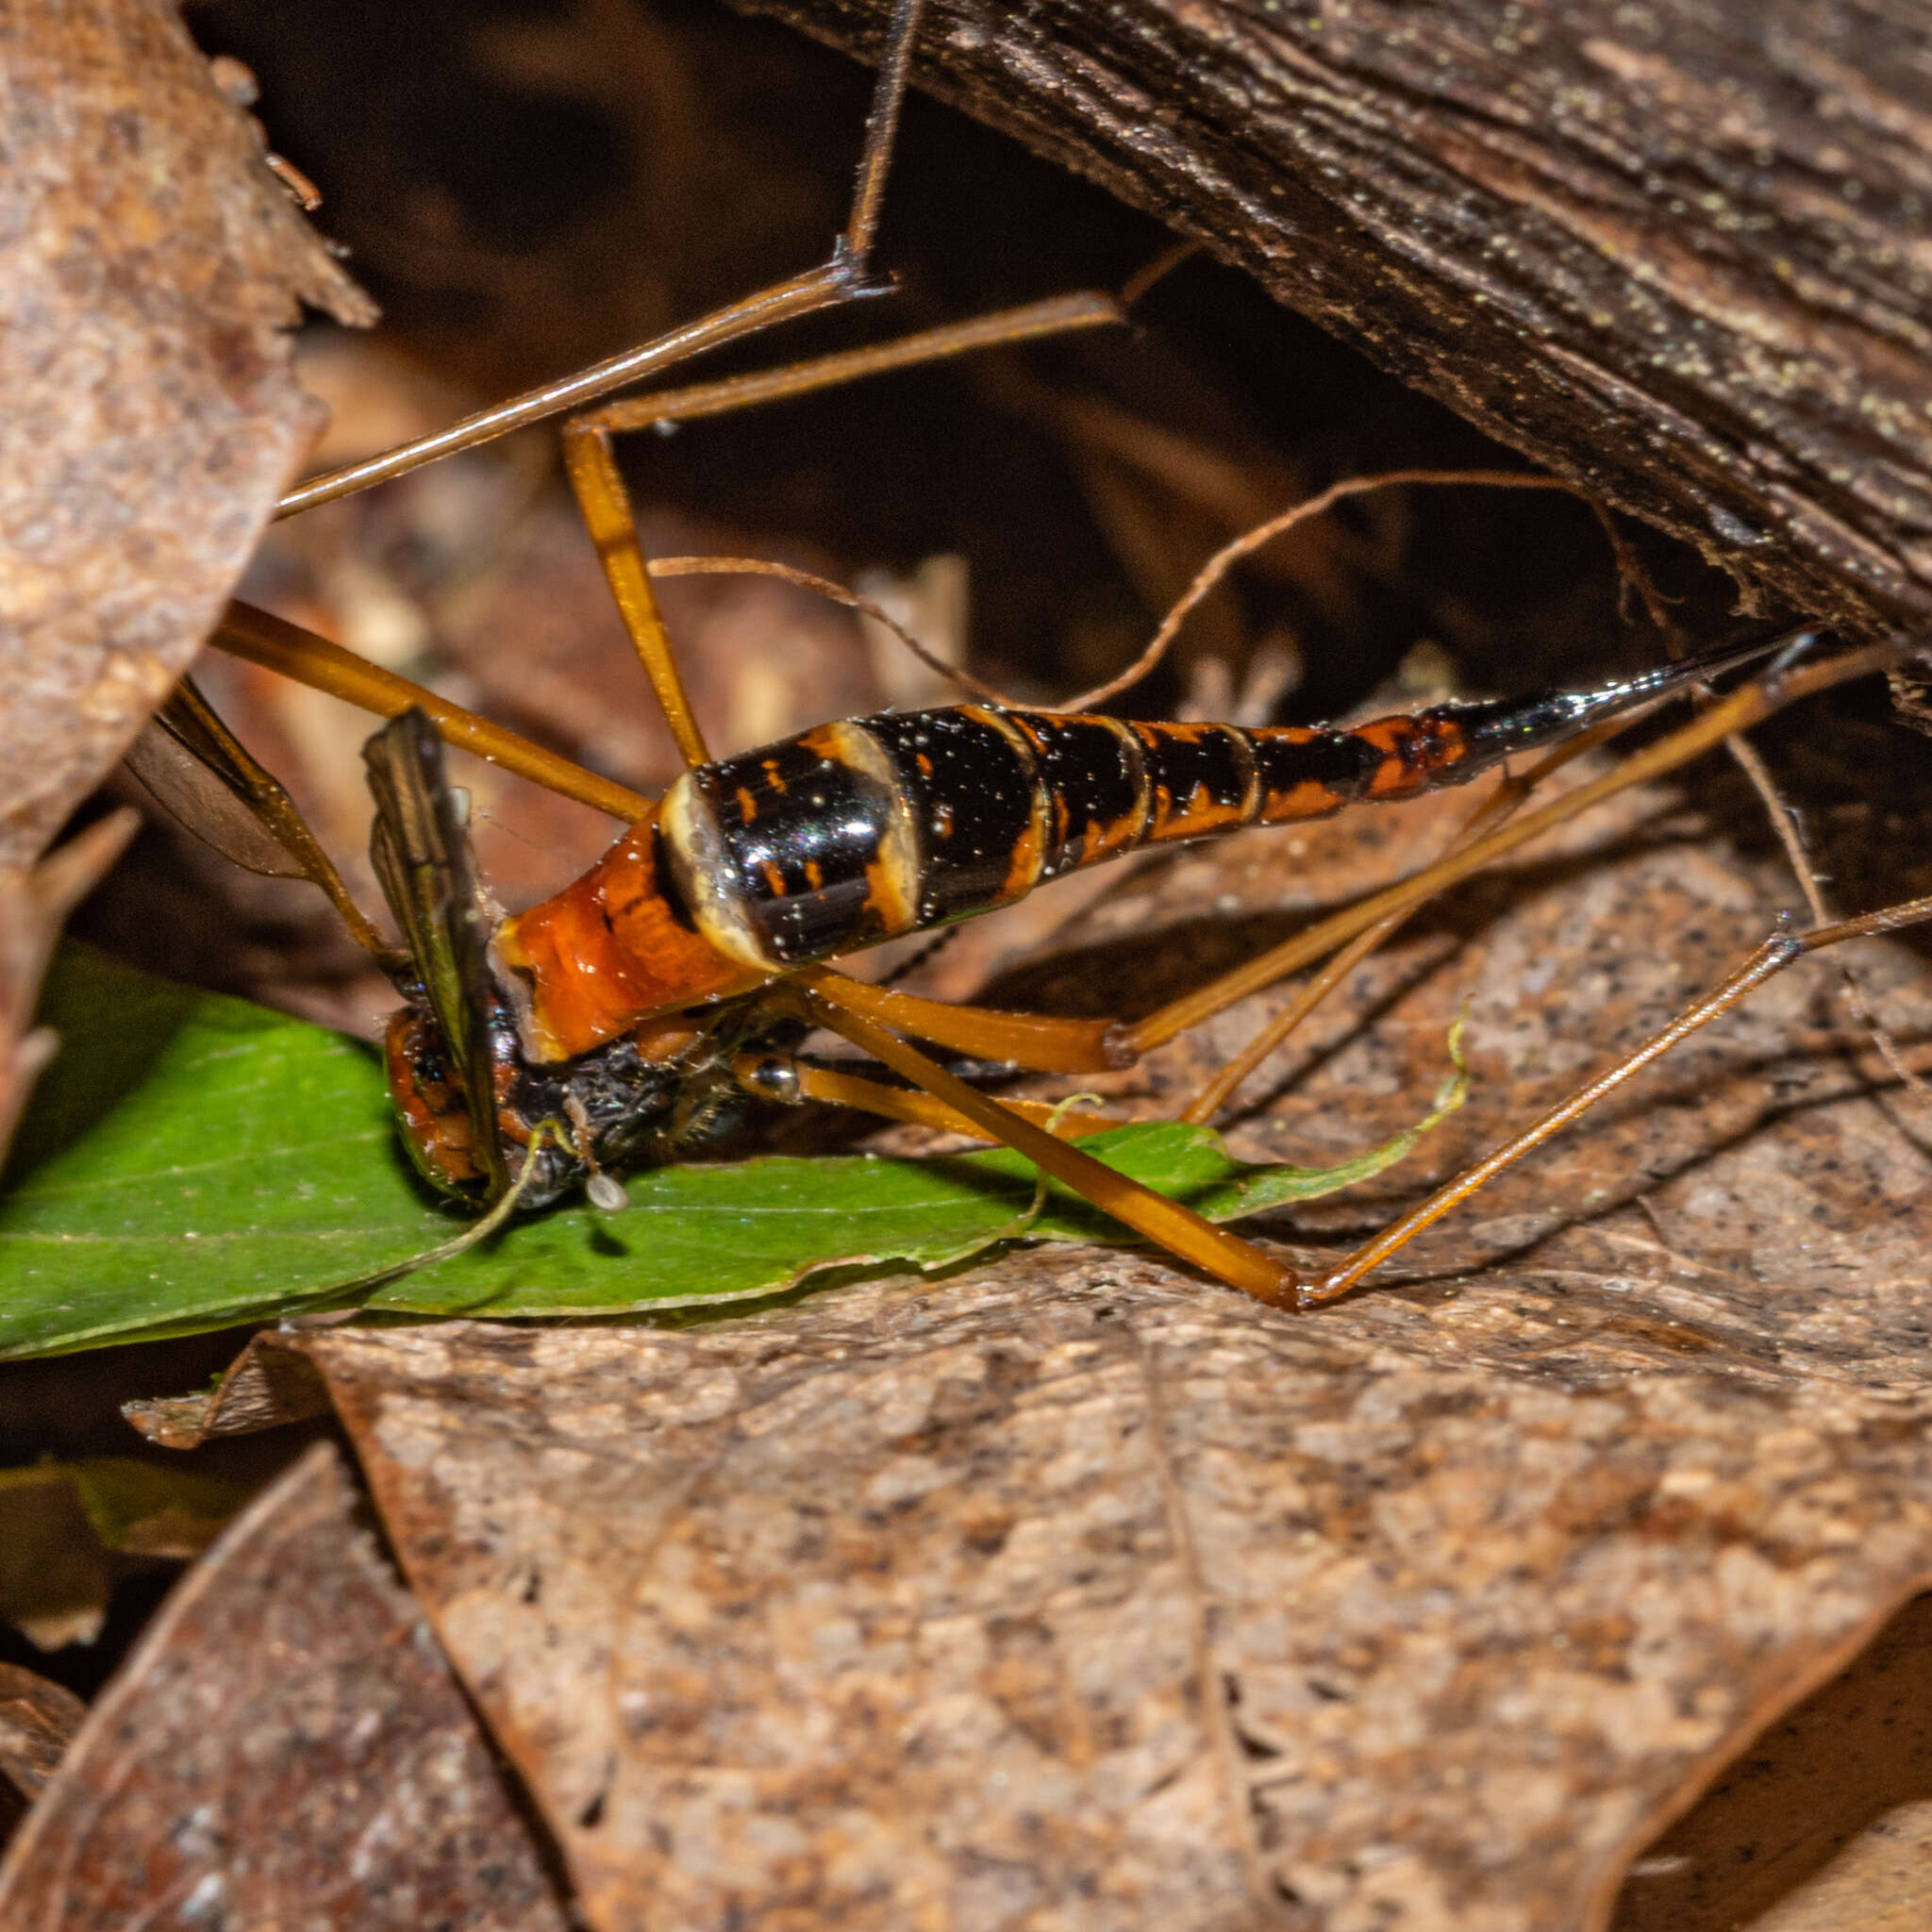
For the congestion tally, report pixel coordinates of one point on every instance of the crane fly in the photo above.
(626, 1016)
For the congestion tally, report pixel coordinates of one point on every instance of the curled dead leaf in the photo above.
(341, 1780)
(151, 267)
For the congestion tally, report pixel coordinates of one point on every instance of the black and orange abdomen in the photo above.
(861, 831)
(866, 829)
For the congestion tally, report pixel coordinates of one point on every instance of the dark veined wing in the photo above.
(200, 776)
(420, 846)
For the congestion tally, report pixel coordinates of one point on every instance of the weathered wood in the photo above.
(1675, 251)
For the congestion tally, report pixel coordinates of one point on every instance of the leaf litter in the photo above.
(1687, 1411)
(284, 1746)
(151, 273)
(153, 270)
(1071, 1587)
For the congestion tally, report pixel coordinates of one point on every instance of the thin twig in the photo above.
(1217, 566)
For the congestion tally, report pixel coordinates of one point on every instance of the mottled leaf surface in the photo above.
(1076, 1591)
(151, 272)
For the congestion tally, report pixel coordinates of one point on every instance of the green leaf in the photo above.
(190, 1161)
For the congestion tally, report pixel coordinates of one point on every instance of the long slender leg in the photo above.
(299, 655)
(795, 1081)
(607, 512)
(281, 646)
(1040, 1043)
(854, 247)
(1056, 316)
(843, 278)
(1503, 802)
(1747, 705)
(1178, 1229)
(1769, 959)
(606, 504)
(1240, 1263)
(820, 288)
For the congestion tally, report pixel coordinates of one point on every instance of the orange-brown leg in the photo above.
(606, 504)
(304, 657)
(844, 277)
(1778, 952)
(1240, 1263)
(793, 1081)
(1747, 705)
(1178, 1229)
(1501, 804)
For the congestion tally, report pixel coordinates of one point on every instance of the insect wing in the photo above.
(199, 773)
(420, 847)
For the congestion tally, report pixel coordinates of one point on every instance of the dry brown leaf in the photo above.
(150, 268)
(1825, 1825)
(338, 1779)
(1071, 1590)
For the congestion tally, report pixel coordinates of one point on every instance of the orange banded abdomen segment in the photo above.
(608, 951)
(1309, 773)
(1412, 754)
(1203, 779)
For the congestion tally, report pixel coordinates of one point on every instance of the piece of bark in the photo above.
(1673, 253)
(151, 268)
(285, 1747)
